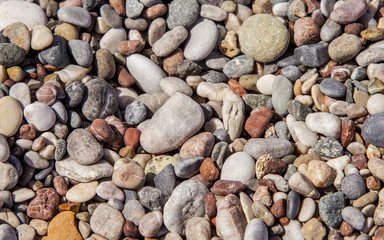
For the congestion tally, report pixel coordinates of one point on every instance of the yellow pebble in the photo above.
(16, 73)
(372, 34)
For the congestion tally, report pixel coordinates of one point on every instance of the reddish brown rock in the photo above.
(284, 221)
(208, 170)
(27, 131)
(346, 229)
(119, 7)
(129, 47)
(102, 131)
(225, 187)
(306, 31)
(210, 204)
(256, 124)
(318, 17)
(278, 208)
(354, 28)
(172, 60)
(198, 146)
(349, 11)
(154, 11)
(41, 71)
(60, 185)
(347, 132)
(262, 195)
(359, 160)
(47, 94)
(269, 183)
(124, 78)
(236, 87)
(276, 166)
(325, 71)
(44, 205)
(312, 5)
(379, 234)
(132, 137)
(373, 183)
(340, 73)
(118, 128)
(130, 230)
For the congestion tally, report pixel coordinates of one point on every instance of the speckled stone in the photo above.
(373, 125)
(330, 207)
(182, 13)
(328, 147)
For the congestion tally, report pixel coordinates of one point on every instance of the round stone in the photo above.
(344, 48)
(353, 186)
(74, 94)
(333, 88)
(375, 103)
(81, 52)
(11, 116)
(238, 167)
(238, 66)
(354, 217)
(41, 37)
(130, 176)
(83, 148)
(371, 127)
(33, 113)
(263, 37)
(107, 222)
(7, 232)
(151, 223)
(198, 228)
(182, 13)
(11, 54)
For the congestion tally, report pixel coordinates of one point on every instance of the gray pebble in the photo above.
(330, 207)
(372, 126)
(61, 112)
(45, 172)
(330, 30)
(282, 92)
(75, 15)
(328, 147)
(74, 119)
(11, 54)
(216, 61)
(182, 13)
(81, 51)
(353, 186)
(56, 54)
(220, 152)
(282, 131)
(333, 88)
(293, 204)
(165, 180)
(135, 113)
(60, 149)
(188, 167)
(353, 217)
(74, 94)
(208, 111)
(213, 76)
(133, 8)
(221, 135)
(291, 72)
(110, 16)
(298, 110)
(313, 55)
(359, 74)
(150, 197)
(238, 66)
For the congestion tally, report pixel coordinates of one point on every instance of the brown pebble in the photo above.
(44, 205)
(269, 183)
(27, 131)
(275, 166)
(278, 208)
(208, 170)
(130, 230)
(359, 160)
(225, 187)
(346, 229)
(118, 127)
(373, 183)
(118, 5)
(312, 5)
(172, 60)
(199, 145)
(129, 47)
(102, 130)
(210, 204)
(132, 137)
(284, 221)
(347, 131)
(306, 31)
(60, 185)
(256, 124)
(326, 70)
(124, 78)
(262, 195)
(379, 233)
(154, 11)
(236, 87)
(354, 28)
(47, 94)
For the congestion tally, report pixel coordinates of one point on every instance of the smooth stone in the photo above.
(112, 38)
(83, 147)
(313, 55)
(216, 60)
(35, 160)
(41, 37)
(185, 203)
(376, 166)
(150, 224)
(172, 85)
(291, 72)
(280, 9)
(7, 232)
(129, 175)
(28, 13)
(238, 167)
(256, 230)
(344, 48)
(304, 134)
(213, 76)
(107, 222)
(33, 113)
(324, 123)
(188, 120)
(328, 148)
(75, 15)
(213, 12)
(182, 13)
(333, 88)
(238, 66)
(303, 186)
(146, 72)
(230, 222)
(349, 11)
(57, 53)
(110, 16)
(293, 231)
(298, 110)
(313, 229)
(373, 54)
(4, 149)
(330, 30)
(11, 116)
(330, 207)
(263, 37)
(198, 228)
(25, 232)
(276, 147)
(133, 211)
(353, 217)
(152, 101)
(188, 167)
(353, 186)
(292, 204)
(9, 177)
(233, 112)
(81, 52)
(201, 40)
(71, 169)
(82, 192)
(19, 35)
(308, 209)
(74, 94)
(170, 41)
(135, 113)
(374, 104)
(282, 92)
(265, 83)
(320, 173)
(372, 126)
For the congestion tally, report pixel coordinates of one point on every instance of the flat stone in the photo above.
(57, 53)
(201, 39)
(238, 66)
(63, 225)
(146, 72)
(330, 30)
(313, 229)
(112, 38)
(276, 147)
(75, 15)
(349, 11)
(324, 123)
(353, 217)
(82, 192)
(333, 88)
(11, 116)
(107, 222)
(150, 224)
(182, 13)
(21, 11)
(83, 148)
(185, 203)
(71, 169)
(170, 41)
(256, 41)
(344, 48)
(189, 120)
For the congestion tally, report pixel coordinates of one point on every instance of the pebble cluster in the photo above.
(191, 119)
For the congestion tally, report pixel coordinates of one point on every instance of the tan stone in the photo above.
(63, 226)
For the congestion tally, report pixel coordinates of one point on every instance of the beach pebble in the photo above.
(107, 221)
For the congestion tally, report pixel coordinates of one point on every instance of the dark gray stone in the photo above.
(313, 55)
(165, 180)
(150, 197)
(100, 100)
(330, 207)
(353, 186)
(333, 88)
(74, 94)
(349, 94)
(208, 111)
(90, 4)
(359, 74)
(188, 167)
(293, 204)
(3, 39)
(135, 113)
(291, 72)
(213, 76)
(110, 16)
(11, 54)
(298, 110)
(354, 217)
(373, 129)
(288, 59)
(220, 153)
(45, 172)
(17, 164)
(130, 195)
(239, 66)
(187, 68)
(291, 169)
(60, 149)
(81, 51)
(221, 135)
(182, 13)
(328, 147)
(56, 54)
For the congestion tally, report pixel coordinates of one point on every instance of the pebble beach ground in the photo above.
(191, 119)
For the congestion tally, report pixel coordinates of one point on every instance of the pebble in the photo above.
(330, 30)
(229, 221)
(57, 53)
(182, 13)
(112, 38)
(321, 174)
(344, 48)
(281, 94)
(25, 232)
(201, 39)
(293, 231)
(313, 55)
(150, 224)
(11, 54)
(63, 226)
(313, 229)
(370, 128)
(306, 31)
(75, 15)
(324, 123)
(242, 174)
(278, 148)
(44, 205)
(81, 52)
(307, 211)
(373, 104)
(348, 12)
(353, 186)
(12, 116)
(333, 88)
(7, 232)
(238, 66)
(353, 217)
(254, 44)
(330, 208)
(82, 192)
(198, 228)
(107, 222)
(129, 175)
(170, 41)
(165, 140)
(303, 185)
(172, 85)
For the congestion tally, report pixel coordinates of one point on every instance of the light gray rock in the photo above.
(146, 72)
(256, 230)
(180, 118)
(7, 232)
(8, 176)
(239, 166)
(75, 15)
(112, 38)
(170, 41)
(282, 92)
(4, 149)
(233, 112)
(33, 113)
(353, 217)
(20, 91)
(324, 123)
(277, 147)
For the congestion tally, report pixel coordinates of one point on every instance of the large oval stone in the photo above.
(180, 118)
(373, 129)
(11, 116)
(276, 147)
(263, 37)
